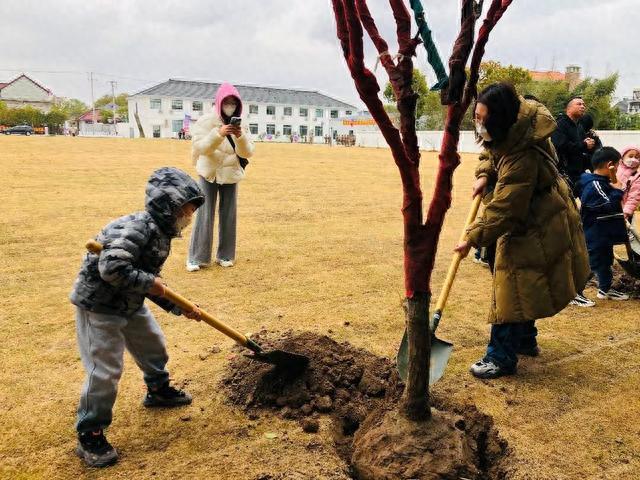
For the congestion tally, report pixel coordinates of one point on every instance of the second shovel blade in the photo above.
(440, 353)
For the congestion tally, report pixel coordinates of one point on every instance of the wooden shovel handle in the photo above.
(457, 257)
(187, 306)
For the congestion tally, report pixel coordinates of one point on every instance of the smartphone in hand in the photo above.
(235, 121)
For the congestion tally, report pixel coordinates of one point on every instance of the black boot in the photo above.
(166, 396)
(95, 450)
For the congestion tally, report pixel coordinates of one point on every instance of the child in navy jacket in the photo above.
(602, 218)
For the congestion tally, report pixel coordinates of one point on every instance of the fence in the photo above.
(430, 140)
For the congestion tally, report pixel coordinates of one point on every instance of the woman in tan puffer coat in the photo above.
(541, 256)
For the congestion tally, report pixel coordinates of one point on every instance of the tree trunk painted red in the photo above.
(420, 237)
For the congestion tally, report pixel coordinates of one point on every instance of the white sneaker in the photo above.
(612, 295)
(582, 301)
(192, 267)
(225, 263)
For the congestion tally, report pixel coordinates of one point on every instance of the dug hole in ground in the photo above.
(360, 391)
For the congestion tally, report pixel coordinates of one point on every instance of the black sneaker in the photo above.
(95, 450)
(166, 396)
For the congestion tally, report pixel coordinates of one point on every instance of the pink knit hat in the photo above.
(628, 148)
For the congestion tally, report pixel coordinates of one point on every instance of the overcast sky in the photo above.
(284, 43)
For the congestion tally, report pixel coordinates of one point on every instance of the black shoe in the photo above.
(166, 396)
(529, 351)
(95, 450)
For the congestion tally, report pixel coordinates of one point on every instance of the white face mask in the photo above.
(631, 162)
(482, 131)
(183, 222)
(228, 110)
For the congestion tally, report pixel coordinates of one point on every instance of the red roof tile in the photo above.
(549, 75)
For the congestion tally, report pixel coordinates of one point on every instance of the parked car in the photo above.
(19, 130)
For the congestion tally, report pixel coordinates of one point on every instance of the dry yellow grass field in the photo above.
(319, 245)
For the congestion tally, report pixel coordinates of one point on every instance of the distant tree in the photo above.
(552, 93)
(492, 72)
(4, 113)
(55, 120)
(122, 108)
(628, 121)
(28, 116)
(72, 108)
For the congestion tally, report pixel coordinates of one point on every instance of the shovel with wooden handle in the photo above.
(292, 362)
(440, 349)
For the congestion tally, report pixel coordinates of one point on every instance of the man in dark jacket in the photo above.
(602, 218)
(109, 295)
(573, 146)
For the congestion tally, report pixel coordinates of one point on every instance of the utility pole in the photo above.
(93, 106)
(113, 96)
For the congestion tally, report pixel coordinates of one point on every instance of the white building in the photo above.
(24, 91)
(630, 105)
(271, 114)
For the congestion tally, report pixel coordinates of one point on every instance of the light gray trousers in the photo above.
(202, 234)
(102, 339)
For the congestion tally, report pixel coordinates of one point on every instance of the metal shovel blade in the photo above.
(440, 353)
(289, 361)
(630, 266)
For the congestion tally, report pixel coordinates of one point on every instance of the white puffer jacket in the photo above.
(213, 155)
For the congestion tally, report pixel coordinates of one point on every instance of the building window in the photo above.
(288, 111)
(253, 108)
(271, 110)
(156, 104)
(318, 131)
(176, 125)
(319, 113)
(286, 129)
(156, 131)
(271, 129)
(253, 128)
(303, 130)
(348, 112)
(176, 104)
(334, 113)
(304, 112)
(196, 106)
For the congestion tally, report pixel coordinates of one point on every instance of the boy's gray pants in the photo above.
(102, 339)
(202, 235)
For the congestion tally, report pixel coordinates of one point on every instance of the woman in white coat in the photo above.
(217, 149)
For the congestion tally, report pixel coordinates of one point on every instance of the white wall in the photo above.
(430, 140)
(164, 117)
(104, 130)
(619, 138)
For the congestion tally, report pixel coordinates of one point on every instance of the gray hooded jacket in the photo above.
(135, 247)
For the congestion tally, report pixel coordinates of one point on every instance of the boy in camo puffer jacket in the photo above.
(109, 297)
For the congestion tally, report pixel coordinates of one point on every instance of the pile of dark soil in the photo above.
(360, 392)
(625, 283)
(621, 281)
(341, 381)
